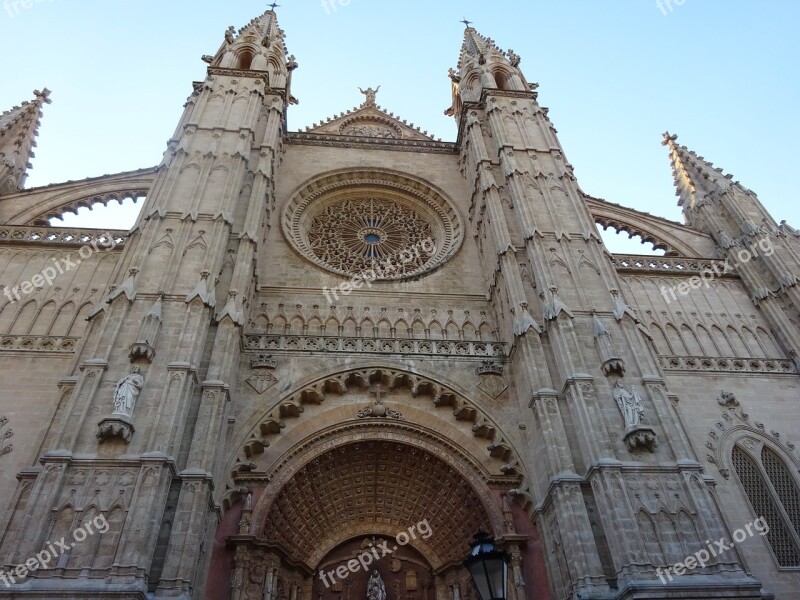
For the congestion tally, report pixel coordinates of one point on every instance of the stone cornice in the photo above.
(350, 141)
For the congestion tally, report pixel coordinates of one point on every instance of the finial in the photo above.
(273, 6)
(466, 23)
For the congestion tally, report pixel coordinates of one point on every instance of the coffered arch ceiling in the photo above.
(378, 487)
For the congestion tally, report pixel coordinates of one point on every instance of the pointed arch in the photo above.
(768, 504)
(78, 325)
(43, 320)
(24, 318)
(109, 540)
(63, 319)
(691, 341)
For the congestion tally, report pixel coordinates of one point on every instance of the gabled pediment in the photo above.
(370, 121)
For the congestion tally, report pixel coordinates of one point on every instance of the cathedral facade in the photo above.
(321, 361)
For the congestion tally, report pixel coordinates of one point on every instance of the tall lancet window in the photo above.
(773, 493)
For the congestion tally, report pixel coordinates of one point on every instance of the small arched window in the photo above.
(774, 496)
(502, 80)
(245, 59)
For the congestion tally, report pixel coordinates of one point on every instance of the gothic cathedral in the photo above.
(322, 361)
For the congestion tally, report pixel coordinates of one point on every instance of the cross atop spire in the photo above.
(273, 6)
(466, 23)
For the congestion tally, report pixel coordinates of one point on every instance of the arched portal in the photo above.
(415, 497)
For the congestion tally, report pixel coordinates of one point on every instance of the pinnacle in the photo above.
(19, 127)
(692, 173)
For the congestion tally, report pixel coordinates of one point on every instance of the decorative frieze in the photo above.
(664, 265)
(38, 343)
(62, 237)
(334, 344)
(728, 365)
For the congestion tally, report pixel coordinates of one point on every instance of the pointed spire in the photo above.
(18, 130)
(258, 46)
(695, 178)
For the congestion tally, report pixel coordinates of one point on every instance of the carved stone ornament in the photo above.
(5, 434)
(116, 426)
(262, 379)
(727, 399)
(640, 438)
(378, 410)
(492, 381)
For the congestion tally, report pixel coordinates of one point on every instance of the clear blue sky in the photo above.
(723, 74)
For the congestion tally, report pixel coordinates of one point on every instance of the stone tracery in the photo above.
(350, 222)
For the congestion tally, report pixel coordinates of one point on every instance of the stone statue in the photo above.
(370, 94)
(229, 34)
(127, 391)
(630, 404)
(376, 590)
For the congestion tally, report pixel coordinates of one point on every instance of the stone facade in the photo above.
(312, 342)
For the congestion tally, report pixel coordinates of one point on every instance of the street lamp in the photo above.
(488, 567)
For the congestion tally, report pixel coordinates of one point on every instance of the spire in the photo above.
(18, 130)
(695, 178)
(258, 46)
(482, 65)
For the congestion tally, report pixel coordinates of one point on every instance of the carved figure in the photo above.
(127, 391)
(370, 94)
(630, 404)
(376, 590)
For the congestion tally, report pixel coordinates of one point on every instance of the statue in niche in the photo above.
(127, 391)
(376, 590)
(630, 404)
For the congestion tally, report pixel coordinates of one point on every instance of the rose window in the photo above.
(358, 235)
(372, 223)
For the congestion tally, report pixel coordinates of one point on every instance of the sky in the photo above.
(722, 74)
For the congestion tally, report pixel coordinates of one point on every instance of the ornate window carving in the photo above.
(774, 496)
(376, 224)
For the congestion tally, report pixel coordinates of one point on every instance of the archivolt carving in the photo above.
(735, 426)
(342, 447)
(439, 395)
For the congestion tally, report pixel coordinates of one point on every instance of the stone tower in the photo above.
(322, 360)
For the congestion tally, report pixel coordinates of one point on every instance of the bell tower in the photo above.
(600, 422)
(138, 433)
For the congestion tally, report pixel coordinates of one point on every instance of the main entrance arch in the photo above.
(400, 482)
